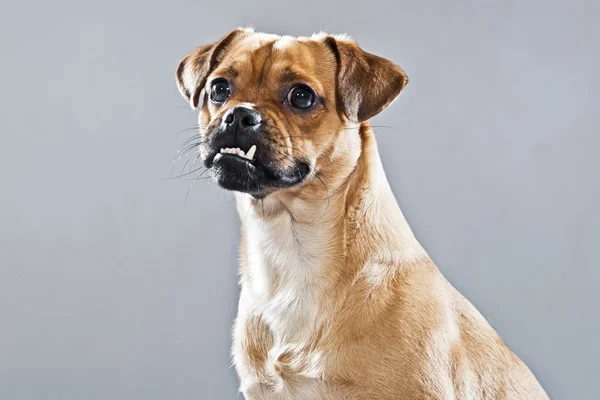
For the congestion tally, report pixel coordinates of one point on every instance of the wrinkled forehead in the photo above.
(274, 60)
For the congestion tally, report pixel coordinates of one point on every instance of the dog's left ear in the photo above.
(195, 67)
(366, 83)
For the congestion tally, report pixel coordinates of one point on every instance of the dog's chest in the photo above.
(284, 303)
(284, 281)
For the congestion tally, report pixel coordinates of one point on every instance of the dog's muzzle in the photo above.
(241, 157)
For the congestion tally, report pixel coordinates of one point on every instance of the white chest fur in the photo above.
(283, 279)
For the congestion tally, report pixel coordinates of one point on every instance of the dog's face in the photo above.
(273, 107)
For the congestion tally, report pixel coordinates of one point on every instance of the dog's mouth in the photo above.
(252, 172)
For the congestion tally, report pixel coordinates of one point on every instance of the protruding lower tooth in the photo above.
(250, 153)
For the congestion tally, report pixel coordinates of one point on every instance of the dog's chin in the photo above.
(238, 174)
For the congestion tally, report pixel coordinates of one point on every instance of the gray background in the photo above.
(111, 289)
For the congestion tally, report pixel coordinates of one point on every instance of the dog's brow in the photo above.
(289, 75)
(232, 71)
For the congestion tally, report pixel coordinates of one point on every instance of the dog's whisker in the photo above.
(204, 178)
(188, 129)
(187, 173)
(186, 149)
(378, 127)
(185, 165)
(191, 139)
(195, 161)
(190, 144)
(191, 186)
(175, 164)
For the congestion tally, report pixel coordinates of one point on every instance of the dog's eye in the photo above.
(220, 91)
(301, 97)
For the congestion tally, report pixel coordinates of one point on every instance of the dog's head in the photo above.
(273, 107)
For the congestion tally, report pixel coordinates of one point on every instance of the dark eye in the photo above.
(219, 91)
(301, 97)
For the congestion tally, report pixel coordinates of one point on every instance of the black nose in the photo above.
(242, 117)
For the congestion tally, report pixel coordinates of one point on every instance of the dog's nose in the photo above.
(243, 117)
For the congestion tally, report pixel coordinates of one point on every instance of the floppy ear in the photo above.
(366, 83)
(195, 67)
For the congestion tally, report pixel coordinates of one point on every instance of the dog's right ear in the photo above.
(194, 68)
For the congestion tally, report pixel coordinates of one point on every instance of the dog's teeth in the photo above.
(239, 152)
(250, 153)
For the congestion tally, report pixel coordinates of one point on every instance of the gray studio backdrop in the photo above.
(110, 288)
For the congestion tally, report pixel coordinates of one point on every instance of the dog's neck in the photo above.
(297, 247)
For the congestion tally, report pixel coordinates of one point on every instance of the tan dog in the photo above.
(338, 299)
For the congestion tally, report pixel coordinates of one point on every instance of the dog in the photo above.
(338, 299)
